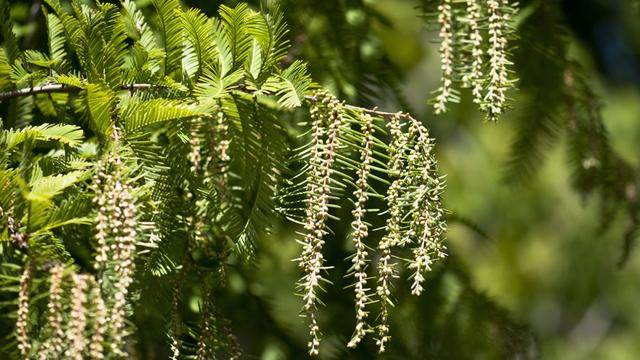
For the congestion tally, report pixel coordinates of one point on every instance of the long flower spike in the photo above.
(393, 237)
(360, 231)
(78, 319)
(446, 56)
(495, 97)
(474, 77)
(317, 209)
(24, 345)
(99, 321)
(53, 343)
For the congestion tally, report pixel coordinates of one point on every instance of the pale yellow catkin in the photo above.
(474, 77)
(360, 232)
(446, 56)
(52, 346)
(393, 237)
(76, 331)
(495, 97)
(317, 209)
(24, 344)
(99, 321)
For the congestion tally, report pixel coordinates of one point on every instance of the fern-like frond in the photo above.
(171, 27)
(97, 103)
(238, 23)
(200, 51)
(9, 41)
(45, 188)
(70, 135)
(6, 73)
(216, 83)
(294, 85)
(57, 40)
(137, 114)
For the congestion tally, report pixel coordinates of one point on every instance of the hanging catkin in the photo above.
(52, 346)
(22, 323)
(360, 231)
(317, 208)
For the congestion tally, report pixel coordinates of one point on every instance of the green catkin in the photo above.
(445, 20)
(123, 255)
(317, 209)
(360, 231)
(220, 149)
(102, 184)
(22, 325)
(99, 321)
(495, 97)
(52, 346)
(203, 352)
(76, 335)
(393, 237)
(17, 238)
(474, 77)
(489, 86)
(426, 225)
(116, 237)
(174, 320)
(194, 154)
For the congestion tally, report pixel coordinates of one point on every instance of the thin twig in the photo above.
(60, 88)
(375, 111)
(64, 88)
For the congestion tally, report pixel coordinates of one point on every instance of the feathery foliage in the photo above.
(161, 160)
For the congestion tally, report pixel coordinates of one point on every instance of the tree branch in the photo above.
(375, 111)
(60, 88)
(64, 88)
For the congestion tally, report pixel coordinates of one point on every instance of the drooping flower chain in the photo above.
(206, 327)
(82, 335)
(78, 319)
(446, 56)
(317, 209)
(194, 154)
(498, 75)
(219, 156)
(489, 90)
(427, 225)
(52, 346)
(474, 77)
(174, 321)
(360, 231)
(98, 315)
(17, 238)
(116, 234)
(24, 345)
(393, 237)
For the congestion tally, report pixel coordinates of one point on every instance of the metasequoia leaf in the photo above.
(70, 135)
(137, 114)
(294, 85)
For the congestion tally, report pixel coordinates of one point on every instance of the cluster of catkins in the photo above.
(116, 240)
(76, 318)
(75, 329)
(473, 52)
(414, 214)
(82, 315)
(216, 161)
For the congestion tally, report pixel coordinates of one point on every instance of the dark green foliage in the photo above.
(128, 97)
(559, 98)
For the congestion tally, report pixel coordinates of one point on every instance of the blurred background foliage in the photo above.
(535, 266)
